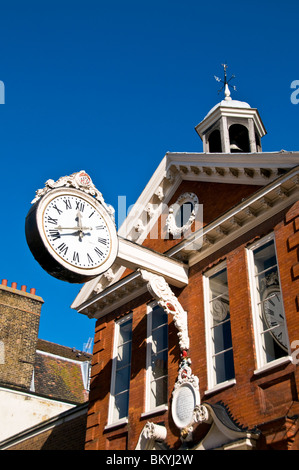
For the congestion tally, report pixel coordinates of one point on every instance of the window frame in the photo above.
(210, 353)
(261, 358)
(148, 381)
(117, 326)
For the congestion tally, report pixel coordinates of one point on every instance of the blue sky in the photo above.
(110, 87)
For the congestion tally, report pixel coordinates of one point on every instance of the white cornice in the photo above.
(148, 192)
(281, 159)
(238, 112)
(251, 169)
(250, 213)
(134, 256)
(113, 296)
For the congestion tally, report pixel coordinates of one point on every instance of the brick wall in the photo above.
(19, 320)
(69, 435)
(268, 400)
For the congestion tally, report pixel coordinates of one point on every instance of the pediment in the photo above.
(240, 175)
(224, 433)
(249, 171)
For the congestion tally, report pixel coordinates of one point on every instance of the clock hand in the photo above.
(73, 228)
(79, 219)
(67, 234)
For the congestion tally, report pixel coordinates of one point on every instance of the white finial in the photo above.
(227, 93)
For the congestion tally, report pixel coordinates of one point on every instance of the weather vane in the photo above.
(225, 82)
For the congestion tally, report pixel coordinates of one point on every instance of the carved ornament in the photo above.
(171, 225)
(80, 180)
(166, 299)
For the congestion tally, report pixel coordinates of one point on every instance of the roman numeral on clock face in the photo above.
(76, 257)
(63, 248)
(52, 221)
(98, 252)
(80, 206)
(67, 203)
(58, 210)
(77, 232)
(54, 234)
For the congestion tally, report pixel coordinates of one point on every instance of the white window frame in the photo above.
(211, 375)
(148, 409)
(111, 422)
(261, 359)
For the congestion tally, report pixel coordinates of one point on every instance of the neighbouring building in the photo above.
(43, 386)
(198, 325)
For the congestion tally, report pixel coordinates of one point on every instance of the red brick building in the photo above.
(197, 326)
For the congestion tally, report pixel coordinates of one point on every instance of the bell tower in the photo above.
(231, 126)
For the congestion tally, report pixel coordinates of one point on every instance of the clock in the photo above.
(274, 316)
(71, 235)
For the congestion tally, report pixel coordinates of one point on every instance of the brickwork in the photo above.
(65, 436)
(255, 399)
(269, 399)
(19, 318)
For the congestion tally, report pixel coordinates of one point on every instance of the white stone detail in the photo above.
(80, 180)
(161, 291)
(149, 434)
(201, 414)
(174, 208)
(139, 227)
(159, 193)
(109, 275)
(150, 209)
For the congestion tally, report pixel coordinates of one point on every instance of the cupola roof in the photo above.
(231, 125)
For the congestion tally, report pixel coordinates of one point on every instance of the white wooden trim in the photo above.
(135, 256)
(261, 362)
(209, 348)
(113, 371)
(149, 329)
(148, 371)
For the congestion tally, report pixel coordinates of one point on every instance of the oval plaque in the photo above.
(185, 398)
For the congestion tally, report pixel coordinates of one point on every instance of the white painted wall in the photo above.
(20, 411)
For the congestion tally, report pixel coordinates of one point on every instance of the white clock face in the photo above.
(77, 231)
(274, 315)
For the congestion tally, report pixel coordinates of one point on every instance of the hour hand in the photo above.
(80, 227)
(79, 219)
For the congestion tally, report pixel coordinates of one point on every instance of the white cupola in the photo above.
(231, 126)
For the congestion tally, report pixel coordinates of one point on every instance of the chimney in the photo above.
(19, 325)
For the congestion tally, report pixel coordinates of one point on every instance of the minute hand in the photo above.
(73, 228)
